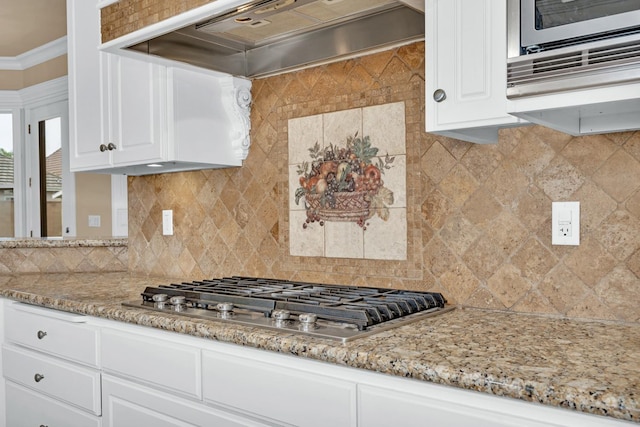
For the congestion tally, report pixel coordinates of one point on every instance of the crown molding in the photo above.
(45, 93)
(34, 96)
(35, 56)
(10, 99)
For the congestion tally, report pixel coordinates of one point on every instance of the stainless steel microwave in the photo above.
(556, 45)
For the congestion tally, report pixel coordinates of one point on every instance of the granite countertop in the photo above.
(59, 242)
(589, 366)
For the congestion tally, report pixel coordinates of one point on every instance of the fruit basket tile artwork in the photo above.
(347, 184)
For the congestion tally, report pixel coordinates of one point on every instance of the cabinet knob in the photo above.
(41, 334)
(103, 148)
(38, 377)
(111, 146)
(439, 95)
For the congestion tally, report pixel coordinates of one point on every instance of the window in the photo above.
(6, 176)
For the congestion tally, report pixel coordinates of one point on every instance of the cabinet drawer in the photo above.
(26, 408)
(54, 332)
(73, 384)
(127, 404)
(278, 392)
(152, 360)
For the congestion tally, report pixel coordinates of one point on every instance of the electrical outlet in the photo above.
(565, 223)
(167, 222)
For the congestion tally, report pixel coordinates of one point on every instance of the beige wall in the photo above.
(52, 69)
(49, 70)
(478, 215)
(93, 197)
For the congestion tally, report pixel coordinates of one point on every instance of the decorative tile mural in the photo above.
(347, 185)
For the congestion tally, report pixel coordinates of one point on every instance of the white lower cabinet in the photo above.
(127, 404)
(141, 377)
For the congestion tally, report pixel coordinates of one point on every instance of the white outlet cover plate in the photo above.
(167, 222)
(565, 211)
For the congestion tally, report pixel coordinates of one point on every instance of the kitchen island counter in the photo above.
(589, 366)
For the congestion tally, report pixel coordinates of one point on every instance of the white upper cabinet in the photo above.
(466, 43)
(132, 116)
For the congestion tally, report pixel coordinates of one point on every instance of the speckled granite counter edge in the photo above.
(62, 243)
(359, 354)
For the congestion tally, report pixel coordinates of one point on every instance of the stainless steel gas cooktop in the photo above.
(329, 311)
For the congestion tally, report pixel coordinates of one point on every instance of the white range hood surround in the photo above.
(257, 38)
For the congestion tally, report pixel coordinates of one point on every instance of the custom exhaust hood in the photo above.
(264, 37)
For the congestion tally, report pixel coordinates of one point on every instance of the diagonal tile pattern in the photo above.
(478, 216)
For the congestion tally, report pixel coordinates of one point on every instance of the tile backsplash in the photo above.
(478, 216)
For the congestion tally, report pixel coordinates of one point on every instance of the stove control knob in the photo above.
(281, 314)
(179, 303)
(308, 318)
(159, 300)
(178, 299)
(307, 321)
(225, 310)
(225, 307)
(281, 317)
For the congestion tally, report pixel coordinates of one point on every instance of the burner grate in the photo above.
(362, 307)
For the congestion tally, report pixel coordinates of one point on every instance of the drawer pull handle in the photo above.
(38, 377)
(42, 425)
(41, 334)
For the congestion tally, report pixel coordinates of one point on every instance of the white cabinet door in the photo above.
(138, 110)
(126, 405)
(466, 63)
(112, 99)
(87, 97)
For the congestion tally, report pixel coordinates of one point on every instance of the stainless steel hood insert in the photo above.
(265, 37)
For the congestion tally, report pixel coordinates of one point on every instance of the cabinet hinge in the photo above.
(29, 182)
(29, 129)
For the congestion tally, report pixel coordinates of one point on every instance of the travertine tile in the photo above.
(619, 176)
(437, 162)
(588, 153)
(563, 289)
(534, 260)
(508, 285)
(559, 180)
(619, 233)
(458, 185)
(590, 261)
(620, 291)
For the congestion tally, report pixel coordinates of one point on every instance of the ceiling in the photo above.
(27, 24)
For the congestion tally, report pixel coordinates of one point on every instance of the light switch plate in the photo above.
(94, 220)
(565, 223)
(167, 222)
